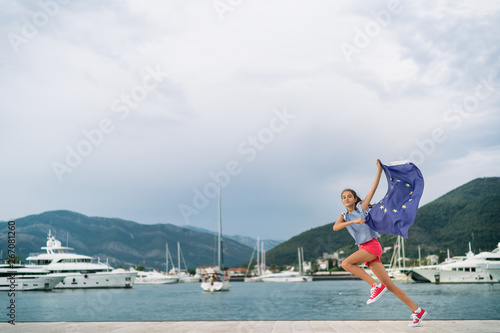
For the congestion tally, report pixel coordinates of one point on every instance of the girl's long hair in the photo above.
(358, 199)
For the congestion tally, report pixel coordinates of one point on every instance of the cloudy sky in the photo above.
(137, 109)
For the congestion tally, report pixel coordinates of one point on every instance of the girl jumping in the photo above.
(370, 249)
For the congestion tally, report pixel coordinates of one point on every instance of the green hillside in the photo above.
(470, 213)
(121, 242)
(466, 214)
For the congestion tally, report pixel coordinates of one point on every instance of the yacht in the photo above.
(19, 277)
(466, 269)
(289, 276)
(154, 277)
(286, 276)
(492, 265)
(184, 276)
(79, 269)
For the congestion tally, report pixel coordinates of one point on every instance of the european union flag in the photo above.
(396, 212)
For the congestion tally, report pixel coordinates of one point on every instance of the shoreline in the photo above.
(257, 326)
(321, 277)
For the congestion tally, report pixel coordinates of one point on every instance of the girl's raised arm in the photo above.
(371, 193)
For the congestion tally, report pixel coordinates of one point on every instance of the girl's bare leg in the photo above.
(379, 270)
(351, 263)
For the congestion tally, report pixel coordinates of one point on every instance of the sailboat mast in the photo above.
(262, 260)
(166, 258)
(403, 249)
(258, 257)
(300, 267)
(179, 256)
(220, 260)
(302, 258)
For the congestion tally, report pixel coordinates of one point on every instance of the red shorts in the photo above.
(372, 246)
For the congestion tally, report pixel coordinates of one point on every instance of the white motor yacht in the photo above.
(186, 277)
(155, 277)
(289, 276)
(286, 276)
(466, 269)
(20, 278)
(492, 264)
(79, 269)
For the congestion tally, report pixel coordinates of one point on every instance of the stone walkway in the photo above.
(319, 326)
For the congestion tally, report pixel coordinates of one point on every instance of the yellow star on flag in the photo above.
(407, 185)
(381, 207)
(385, 210)
(404, 206)
(395, 211)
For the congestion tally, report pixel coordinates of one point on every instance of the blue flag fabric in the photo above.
(396, 212)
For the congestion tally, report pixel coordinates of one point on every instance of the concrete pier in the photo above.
(320, 326)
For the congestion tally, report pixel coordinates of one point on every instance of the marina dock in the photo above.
(320, 326)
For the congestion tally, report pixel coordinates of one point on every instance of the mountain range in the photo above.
(469, 213)
(122, 242)
(269, 244)
(466, 214)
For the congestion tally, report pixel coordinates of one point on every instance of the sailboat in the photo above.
(398, 270)
(183, 275)
(261, 264)
(290, 276)
(155, 276)
(215, 279)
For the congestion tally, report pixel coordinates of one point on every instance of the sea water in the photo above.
(321, 300)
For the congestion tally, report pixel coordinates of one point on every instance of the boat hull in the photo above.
(253, 279)
(156, 281)
(98, 280)
(212, 286)
(449, 276)
(493, 269)
(286, 277)
(191, 279)
(289, 279)
(47, 282)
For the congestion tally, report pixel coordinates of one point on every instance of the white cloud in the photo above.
(225, 79)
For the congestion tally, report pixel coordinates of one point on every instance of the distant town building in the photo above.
(236, 272)
(203, 269)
